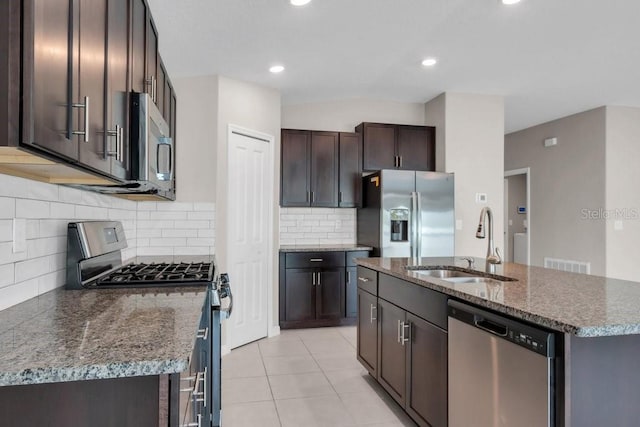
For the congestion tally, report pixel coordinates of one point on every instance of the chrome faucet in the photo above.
(493, 254)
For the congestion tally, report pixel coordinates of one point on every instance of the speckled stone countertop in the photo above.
(323, 248)
(579, 304)
(96, 334)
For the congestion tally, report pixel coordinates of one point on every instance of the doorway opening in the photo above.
(517, 216)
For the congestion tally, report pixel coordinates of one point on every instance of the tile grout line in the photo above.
(273, 398)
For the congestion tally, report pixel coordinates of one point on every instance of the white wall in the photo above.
(196, 138)
(345, 115)
(565, 179)
(257, 108)
(473, 130)
(622, 193)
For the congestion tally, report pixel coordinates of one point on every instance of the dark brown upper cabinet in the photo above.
(309, 168)
(350, 175)
(390, 146)
(47, 122)
(144, 52)
(117, 89)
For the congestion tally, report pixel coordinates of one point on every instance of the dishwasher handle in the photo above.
(490, 326)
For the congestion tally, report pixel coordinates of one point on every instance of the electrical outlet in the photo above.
(338, 223)
(618, 225)
(19, 235)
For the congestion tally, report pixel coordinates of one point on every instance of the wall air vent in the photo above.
(567, 265)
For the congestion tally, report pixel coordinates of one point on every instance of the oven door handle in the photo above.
(227, 311)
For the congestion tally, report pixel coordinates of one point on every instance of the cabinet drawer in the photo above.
(314, 259)
(368, 280)
(425, 303)
(352, 255)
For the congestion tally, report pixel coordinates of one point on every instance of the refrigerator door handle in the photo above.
(414, 227)
(419, 228)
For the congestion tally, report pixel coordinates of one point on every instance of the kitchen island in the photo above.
(106, 349)
(597, 320)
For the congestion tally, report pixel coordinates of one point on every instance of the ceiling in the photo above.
(548, 58)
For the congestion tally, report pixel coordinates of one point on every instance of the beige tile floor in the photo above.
(304, 378)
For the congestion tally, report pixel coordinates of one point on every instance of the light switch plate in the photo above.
(458, 224)
(19, 235)
(481, 197)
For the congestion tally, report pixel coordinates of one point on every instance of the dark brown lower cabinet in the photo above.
(426, 395)
(406, 353)
(368, 331)
(392, 371)
(314, 294)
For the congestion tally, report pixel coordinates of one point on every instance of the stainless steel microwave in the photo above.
(152, 153)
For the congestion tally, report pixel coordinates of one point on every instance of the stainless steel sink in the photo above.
(456, 274)
(443, 274)
(468, 279)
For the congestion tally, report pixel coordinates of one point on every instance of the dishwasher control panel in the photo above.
(519, 333)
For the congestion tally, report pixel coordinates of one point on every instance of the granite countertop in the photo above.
(96, 334)
(579, 304)
(324, 248)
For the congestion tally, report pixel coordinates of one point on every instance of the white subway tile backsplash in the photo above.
(28, 269)
(312, 226)
(6, 230)
(7, 207)
(151, 228)
(174, 215)
(6, 275)
(26, 208)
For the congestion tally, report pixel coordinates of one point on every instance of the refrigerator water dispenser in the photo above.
(399, 225)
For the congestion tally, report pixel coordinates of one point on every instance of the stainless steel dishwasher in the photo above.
(501, 372)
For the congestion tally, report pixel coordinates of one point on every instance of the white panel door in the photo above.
(249, 234)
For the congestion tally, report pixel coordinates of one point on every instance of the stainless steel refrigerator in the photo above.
(407, 214)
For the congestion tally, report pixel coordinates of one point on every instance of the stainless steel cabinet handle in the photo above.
(399, 330)
(313, 197)
(363, 279)
(313, 279)
(308, 199)
(203, 333)
(319, 276)
(400, 161)
(121, 147)
(348, 277)
(316, 259)
(339, 196)
(85, 132)
(373, 307)
(403, 337)
(118, 134)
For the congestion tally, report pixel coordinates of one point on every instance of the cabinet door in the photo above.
(391, 352)
(351, 292)
(117, 89)
(350, 177)
(330, 293)
(416, 148)
(324, 169)
(139, 20)
(50, 89)
(368, 331)
(162, 81)
(151, 58)
(300, 295)
(295, 175)
(90, 45)
(378, 146)
(426, 373)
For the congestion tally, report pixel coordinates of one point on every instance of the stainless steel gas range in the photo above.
(94, 261)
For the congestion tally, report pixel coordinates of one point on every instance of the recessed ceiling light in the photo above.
(510, 2)
(299, 2)
(429, 62)
(276, 69)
